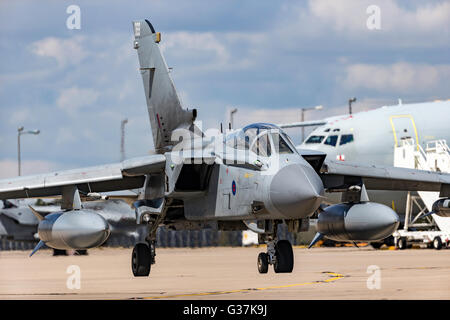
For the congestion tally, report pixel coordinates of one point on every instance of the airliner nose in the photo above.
(296, 190)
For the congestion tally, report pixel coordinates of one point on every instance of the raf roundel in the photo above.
(233, 188)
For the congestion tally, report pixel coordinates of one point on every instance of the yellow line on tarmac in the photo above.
(334, 277)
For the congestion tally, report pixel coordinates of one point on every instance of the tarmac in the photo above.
(228, 273)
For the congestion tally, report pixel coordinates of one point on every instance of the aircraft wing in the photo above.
(339, 175)
(311, 123)
(129, 174)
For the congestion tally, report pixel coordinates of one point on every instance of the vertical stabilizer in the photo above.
(164, 107)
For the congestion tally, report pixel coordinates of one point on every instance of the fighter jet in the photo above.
(252, 178)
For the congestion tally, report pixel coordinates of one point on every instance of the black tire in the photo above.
(437, 243)
(376, 245)
(389, 241)
(284, 257)
(141, 260)
(263, 263)
(83, 252)
(402, 243)
(59, 252)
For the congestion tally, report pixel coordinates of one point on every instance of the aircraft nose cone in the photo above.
(82, 229)
(295, 191)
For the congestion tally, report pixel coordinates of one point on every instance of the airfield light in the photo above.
(122, 138)
(350, 101)
(232, 112)
(21, 131)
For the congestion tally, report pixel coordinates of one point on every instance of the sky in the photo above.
(266, 58)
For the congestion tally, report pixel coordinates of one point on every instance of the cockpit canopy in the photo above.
(330, 137)
(262, 139)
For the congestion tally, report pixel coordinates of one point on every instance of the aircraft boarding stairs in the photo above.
(435, 157)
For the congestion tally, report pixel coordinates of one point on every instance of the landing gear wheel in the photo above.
(59, 252)
(263, 263)
(284, 262)
(141, 259)
(81, 252)
(376, 245)
(437, 243)
(401, 244)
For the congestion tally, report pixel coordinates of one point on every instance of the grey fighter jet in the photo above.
(250, 178)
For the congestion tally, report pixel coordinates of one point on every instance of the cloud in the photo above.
(20, 116)
(398, 77)
(419, 25)
(74, 98)
(303, 53)
(66, 136)
(196, 46)
(210, 51)
(64, 51)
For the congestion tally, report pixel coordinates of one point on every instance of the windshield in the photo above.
(346, 138)
(256, 137)
(261, 146)
(315, 139)
(281, 145)
(331, 141)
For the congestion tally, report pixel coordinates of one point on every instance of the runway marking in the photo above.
(334, 277)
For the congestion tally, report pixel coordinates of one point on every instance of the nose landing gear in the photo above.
(281, 257)
(279, 254)
(284, 257)
(263, 262)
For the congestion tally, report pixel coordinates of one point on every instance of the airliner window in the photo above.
(262, 146)
(315, 139)
(331, 140)
(346, 138)
(281, 145)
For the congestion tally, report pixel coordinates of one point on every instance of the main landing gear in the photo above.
(143, 255)
(279, 254)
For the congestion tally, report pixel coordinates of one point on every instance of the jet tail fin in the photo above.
(164, 106)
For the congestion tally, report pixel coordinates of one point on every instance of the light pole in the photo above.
(20, 131)
(232, 112)
(350, 101)
(303, 117)
(122, 138)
